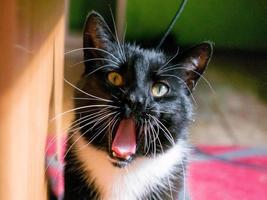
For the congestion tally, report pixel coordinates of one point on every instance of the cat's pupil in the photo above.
(115, 78)
(159, 89)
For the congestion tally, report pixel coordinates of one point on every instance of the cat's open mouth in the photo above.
(123, 146)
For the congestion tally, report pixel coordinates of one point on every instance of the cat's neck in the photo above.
(142, 177)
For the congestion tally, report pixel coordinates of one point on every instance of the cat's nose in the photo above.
(134, 104)
(136, 99)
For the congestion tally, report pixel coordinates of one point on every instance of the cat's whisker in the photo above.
(154, 139)
(152, 128)
(200, 75)
(102, 125)
(157, 111)
(90, 95)
(111, 130)
(102, 129)
(157, 136)
(141, 130)
(162, 70)
(116, 64)
(117, 38)
(106, 125)
(170, 187)
(93, 48)
(101, 119)
(82, 107)
(165, 191)
(71, 146)
(157, 196)
(84, 119)
(87, 118)
(91, 110)
(115, 97)
(67, 151)
(188, 89)
(165, 64)
(80, 127)
(74, 124)
(99, 130)
(114, 37)
(149, 138)
(88, 99)
(98, 68)
(123, 39)
(150, 107)
(184, 177)
(145, 137)
(164, 129)
(53, 140)
(123, 91)
(113, 126)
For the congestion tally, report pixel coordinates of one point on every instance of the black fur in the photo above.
(140, 69)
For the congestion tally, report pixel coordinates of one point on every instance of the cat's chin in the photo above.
(120, 163)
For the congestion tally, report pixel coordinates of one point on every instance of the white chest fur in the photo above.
(132, 182)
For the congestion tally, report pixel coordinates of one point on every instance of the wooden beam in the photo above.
(31, 49)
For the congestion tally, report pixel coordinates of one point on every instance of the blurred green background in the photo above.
(230, 24)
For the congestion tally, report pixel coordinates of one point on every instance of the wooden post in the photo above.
(31, 59)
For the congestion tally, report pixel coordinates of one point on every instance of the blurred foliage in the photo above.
(238, 24)
(79, 9)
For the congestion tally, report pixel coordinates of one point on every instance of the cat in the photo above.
(132, 109)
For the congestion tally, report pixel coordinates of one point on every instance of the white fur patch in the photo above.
(131, 182)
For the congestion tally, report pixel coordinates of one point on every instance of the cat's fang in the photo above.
(114, 154)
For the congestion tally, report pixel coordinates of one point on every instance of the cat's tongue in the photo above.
(124, 143)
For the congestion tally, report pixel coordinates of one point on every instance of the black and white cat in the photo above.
(133, 109)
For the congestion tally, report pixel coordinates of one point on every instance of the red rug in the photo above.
(228, 173)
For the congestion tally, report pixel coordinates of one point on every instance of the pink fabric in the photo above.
(55, 166)
(243, 179)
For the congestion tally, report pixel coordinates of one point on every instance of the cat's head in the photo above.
(132, 101)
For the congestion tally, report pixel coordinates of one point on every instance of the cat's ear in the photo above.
(96, 35)
(195, 61)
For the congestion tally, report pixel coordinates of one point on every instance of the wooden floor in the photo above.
(228, 115)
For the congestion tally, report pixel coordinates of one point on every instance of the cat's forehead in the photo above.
(138, 56)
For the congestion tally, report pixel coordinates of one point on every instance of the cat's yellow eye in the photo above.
(115, 78)
(159, 89)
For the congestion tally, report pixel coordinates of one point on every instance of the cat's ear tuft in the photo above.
(96, 34)
(195, 61)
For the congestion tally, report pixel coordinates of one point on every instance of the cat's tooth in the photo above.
(128, 157)
(114, 154)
